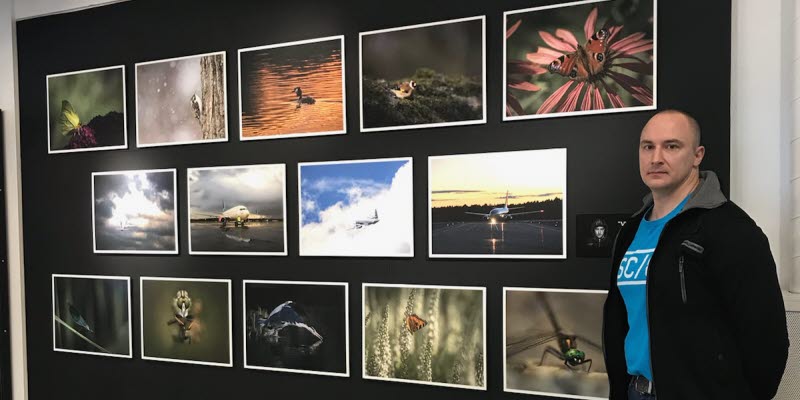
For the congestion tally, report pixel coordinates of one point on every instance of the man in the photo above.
(599, 237)
(694, 310)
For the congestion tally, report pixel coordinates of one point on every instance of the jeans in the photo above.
(634, 395)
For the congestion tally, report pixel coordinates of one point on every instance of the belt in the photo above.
(642, 385)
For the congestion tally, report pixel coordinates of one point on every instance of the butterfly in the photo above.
(415, 323)
(587, 62)
(69, 124)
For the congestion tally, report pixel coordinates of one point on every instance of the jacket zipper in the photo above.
(683, 279)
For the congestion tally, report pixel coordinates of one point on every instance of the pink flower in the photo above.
(585, 90)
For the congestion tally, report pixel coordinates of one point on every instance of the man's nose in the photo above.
(657, 156)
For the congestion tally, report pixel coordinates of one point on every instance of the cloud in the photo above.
(455, 191)
(335, 233)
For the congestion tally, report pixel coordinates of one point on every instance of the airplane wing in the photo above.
(203, 214)
(474, 213)
(527, 212)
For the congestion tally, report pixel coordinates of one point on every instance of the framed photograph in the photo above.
(92, 315)
(300, 327)
(237, 210)
(579, 58)
(86, 110)
(429, 335)
(552, 343)
(595, 233)
(186, 320)
(182, 100)
(135, 212)
(356, 208)
(409, 79)
(293, 89)
(498, 205)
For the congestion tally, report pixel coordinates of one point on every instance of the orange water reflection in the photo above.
(274, 107)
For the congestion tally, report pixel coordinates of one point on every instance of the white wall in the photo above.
(13, 198)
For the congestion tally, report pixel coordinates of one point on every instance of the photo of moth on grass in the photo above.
(411, 79)
(86, 110)
(585, 57)
(498, 205)
(186, 320)
(292, 89)
(431, 335)
(135, 212)
(92, 315)
(552, 342)
(181, 101)
(297, 327)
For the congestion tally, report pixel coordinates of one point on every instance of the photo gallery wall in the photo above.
(572, 59)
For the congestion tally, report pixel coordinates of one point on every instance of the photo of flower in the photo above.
(583, 58)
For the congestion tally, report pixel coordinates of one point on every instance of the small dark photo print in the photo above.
(296, 327)
(595, 233)
(92, 315)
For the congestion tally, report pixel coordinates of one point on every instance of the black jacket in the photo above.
(715, 310)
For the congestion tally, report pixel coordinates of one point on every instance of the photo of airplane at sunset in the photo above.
(498, 205)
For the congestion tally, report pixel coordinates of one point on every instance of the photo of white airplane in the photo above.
(502, 213)
(239, 215)
(367, 222)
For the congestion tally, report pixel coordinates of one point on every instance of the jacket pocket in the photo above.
(694, 250)
(682, 273)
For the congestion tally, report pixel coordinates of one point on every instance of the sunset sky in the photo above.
(531, 175)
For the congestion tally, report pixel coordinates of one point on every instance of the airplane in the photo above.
(502, 213)
(123, 224)
(367, 222)
(238, 214)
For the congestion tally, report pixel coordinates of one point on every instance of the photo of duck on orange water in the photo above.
(292, 89)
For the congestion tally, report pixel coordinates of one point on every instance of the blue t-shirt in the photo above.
(632, 280)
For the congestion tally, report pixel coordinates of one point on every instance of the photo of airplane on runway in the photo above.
(217, 228)
(503, 213)
(498, 205)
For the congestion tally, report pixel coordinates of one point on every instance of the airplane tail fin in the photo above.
(376, 213)
(506, 198)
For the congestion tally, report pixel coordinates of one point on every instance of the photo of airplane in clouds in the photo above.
(500, 214)
(356, 208)
(464, 193)
(217, 228)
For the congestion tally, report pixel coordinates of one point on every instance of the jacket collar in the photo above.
(708, 195)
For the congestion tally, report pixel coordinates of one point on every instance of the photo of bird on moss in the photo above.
(423, 76)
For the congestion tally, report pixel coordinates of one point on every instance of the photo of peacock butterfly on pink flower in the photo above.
(587, 57)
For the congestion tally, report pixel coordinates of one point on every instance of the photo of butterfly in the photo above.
(584, 57)
(587, 62)
(415, 323)
(86, 110)
(69, 124)
(424, 334)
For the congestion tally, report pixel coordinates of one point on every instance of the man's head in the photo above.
(669, 151)
(599, 228)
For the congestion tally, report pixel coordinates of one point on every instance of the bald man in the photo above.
(694, 309)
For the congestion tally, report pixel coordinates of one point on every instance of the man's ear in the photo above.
(699, 153)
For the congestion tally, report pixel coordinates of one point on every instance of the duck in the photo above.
(405, 89)
(301, 99)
